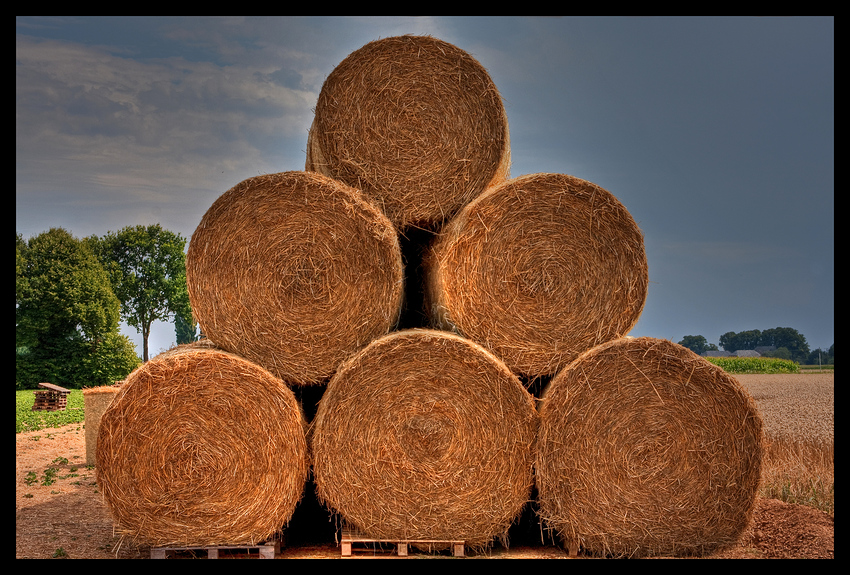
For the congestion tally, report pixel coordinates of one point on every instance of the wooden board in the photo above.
(350, 537)
(46, 400)
(266, 550)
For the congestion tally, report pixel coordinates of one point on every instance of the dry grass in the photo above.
(201, 447)
(799, 416)
(538, 270)
(801, 472)
(425, 435)
(295, 272)
(645, 448)
(414, 122)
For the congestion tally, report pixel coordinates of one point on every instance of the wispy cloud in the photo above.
(83, 104)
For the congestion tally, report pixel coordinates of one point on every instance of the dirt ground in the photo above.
(69, 519)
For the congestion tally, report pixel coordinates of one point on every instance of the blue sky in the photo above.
(717, 134)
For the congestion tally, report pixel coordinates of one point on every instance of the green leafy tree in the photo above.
(147, 268)
(820, 356)
(697, 344)
(789, 338)
(185, 330)
(780, 353)
(66, 315)
(731, 341)
(779, 337)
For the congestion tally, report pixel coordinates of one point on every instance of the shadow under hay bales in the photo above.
(311, 523)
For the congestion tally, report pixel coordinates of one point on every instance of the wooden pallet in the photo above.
(266, 550)
(352, 537)
(46, 400)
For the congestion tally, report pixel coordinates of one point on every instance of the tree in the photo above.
(779, 337)
(66, 316)
(185, 330)
(788, 338)
(731, 341)
(697, 344)
(147, 268)
(820, 356)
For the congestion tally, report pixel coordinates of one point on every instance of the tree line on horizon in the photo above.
(787, 343)
(70, 295)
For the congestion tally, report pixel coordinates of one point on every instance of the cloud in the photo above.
(83, 104)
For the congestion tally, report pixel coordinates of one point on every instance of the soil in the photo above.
(69, 519)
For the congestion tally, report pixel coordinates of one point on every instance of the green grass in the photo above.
(28, 420)
(755, 364)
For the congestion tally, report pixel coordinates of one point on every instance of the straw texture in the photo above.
(646, 448)
(538, 270)
(425, 435)
(202, 447)
(95, 401)
(294, 271)
(414, 122)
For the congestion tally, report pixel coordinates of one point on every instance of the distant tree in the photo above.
(819, 356)
(147, 268)
(697, 344)
(779, 337)
(731, 341)
(788, 338)
(185, 330)
(66, 315)
(780, 352)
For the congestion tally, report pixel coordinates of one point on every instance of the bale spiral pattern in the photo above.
(646, 448)
(414, 122)
(294, 271)
(201, 447)
(538, 270)
(425, 435)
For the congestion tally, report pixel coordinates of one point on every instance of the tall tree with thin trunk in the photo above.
(147, 268)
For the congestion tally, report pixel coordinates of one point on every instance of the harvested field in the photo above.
(795, 406)
(70, 514)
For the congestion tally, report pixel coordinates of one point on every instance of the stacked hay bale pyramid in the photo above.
(426, 430)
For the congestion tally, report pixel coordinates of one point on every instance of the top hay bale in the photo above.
(414, 122)
(538, 270)
(425, 435)
(646, 448)
(294, 271)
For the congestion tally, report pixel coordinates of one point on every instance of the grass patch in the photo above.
(768, 365)
(28, 420)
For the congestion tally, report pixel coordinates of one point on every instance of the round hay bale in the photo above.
(294, 271)
(538, 270)
(425, 436)
(414, 122)
(646, 448)
(202, 447)
(95, 401)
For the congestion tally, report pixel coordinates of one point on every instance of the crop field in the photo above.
(28, 420)
(799, 417)
(752, 365)
(795, 406)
